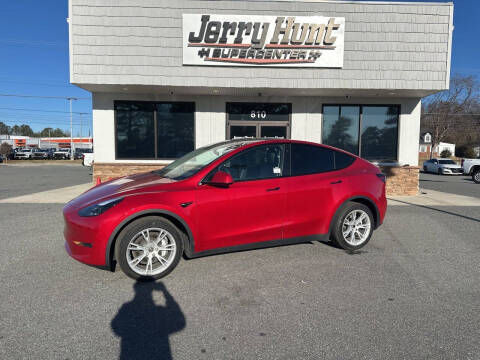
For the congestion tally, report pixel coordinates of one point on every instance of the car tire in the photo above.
(440, 172)
(342, 237)
(425, 169)
(476, 176)
(140, 257)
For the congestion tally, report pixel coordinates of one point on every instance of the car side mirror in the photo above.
(221, 179)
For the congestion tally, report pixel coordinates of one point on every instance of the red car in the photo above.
(234, 195)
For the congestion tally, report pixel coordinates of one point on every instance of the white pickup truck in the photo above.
(472, 167)
(87, 159)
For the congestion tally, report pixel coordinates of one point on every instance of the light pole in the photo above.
(71, 126)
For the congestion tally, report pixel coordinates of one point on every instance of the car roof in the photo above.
(253, 141)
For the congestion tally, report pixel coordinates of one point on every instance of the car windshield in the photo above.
(194, 161)
(450, 162)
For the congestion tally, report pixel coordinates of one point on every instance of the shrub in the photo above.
(465, 151)
(446, 153)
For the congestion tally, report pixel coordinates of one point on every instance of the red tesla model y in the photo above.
(234, 195)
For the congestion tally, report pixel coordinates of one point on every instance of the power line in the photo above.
(32, 42)
(42, 97)
(46, 111)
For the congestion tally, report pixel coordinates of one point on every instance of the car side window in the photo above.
(260, 162)
(310, 159)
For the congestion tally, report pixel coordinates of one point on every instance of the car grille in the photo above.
(458, 171)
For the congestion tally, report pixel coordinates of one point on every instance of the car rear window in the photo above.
(343, 160)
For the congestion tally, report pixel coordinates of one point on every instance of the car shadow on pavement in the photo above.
(144, 327)
(435, 209)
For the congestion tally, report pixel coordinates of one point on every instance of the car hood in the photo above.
(138, 183)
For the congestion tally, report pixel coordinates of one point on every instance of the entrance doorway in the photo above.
(258, 120)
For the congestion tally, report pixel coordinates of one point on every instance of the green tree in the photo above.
(445, 153)
(4, 129)
(26, 130)
(466, 152)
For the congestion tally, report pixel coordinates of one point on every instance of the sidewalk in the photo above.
(56, 196)
(433, 198)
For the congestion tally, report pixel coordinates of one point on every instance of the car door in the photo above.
(311, 190)
(250, 210)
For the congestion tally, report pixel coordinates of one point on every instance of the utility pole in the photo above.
(71, 126)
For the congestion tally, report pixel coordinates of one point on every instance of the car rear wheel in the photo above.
(440, 172)
(149, 248)
(476, 176)
(353, 227)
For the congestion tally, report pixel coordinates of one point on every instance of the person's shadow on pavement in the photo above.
(144, 327)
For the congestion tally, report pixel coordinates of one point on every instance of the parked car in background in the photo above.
(87, 159)
(472, 167)
(23, 154)
(79, 153)
(1, 158)
(62, 154)
(233, 195)
(442, 167)
(42, 154)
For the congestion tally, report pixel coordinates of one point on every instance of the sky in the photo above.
(34, 61)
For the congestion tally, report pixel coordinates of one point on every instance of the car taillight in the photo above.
(382, 177)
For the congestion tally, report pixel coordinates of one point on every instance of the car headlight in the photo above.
(100, 208)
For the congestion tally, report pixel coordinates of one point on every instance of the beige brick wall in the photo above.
(110, 171)
(401, 180)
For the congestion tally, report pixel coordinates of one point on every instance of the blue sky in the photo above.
(34, 61)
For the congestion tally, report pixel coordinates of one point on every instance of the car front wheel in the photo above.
(476, 176)
(149, 248)
(353, 227)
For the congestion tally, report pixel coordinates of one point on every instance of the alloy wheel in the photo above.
(151, 251)
(356, 227)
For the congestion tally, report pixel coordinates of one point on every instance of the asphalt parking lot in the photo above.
(454, 184)
(412, 293)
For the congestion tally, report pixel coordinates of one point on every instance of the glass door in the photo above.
(258, 120)
(273, 131)
(238, 131)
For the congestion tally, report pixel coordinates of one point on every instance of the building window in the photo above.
(370, 131)
(153, 130)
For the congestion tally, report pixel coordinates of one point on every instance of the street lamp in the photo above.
(71, 126)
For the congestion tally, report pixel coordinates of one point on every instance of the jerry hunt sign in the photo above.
(249, 40)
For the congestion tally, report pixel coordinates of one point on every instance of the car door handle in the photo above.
(274, 189)
(336, 182)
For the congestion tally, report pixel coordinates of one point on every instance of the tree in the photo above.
(5, 150)
(466, 152)
(441, 109)
(445, 153)
(26, 130)
(4, 129)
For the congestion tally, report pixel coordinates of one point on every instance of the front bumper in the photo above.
(86, 238)
(447, 171)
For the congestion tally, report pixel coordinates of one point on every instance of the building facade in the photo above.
(168, 77)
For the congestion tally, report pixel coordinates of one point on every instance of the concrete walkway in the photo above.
(56, 196)
(433, 198)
